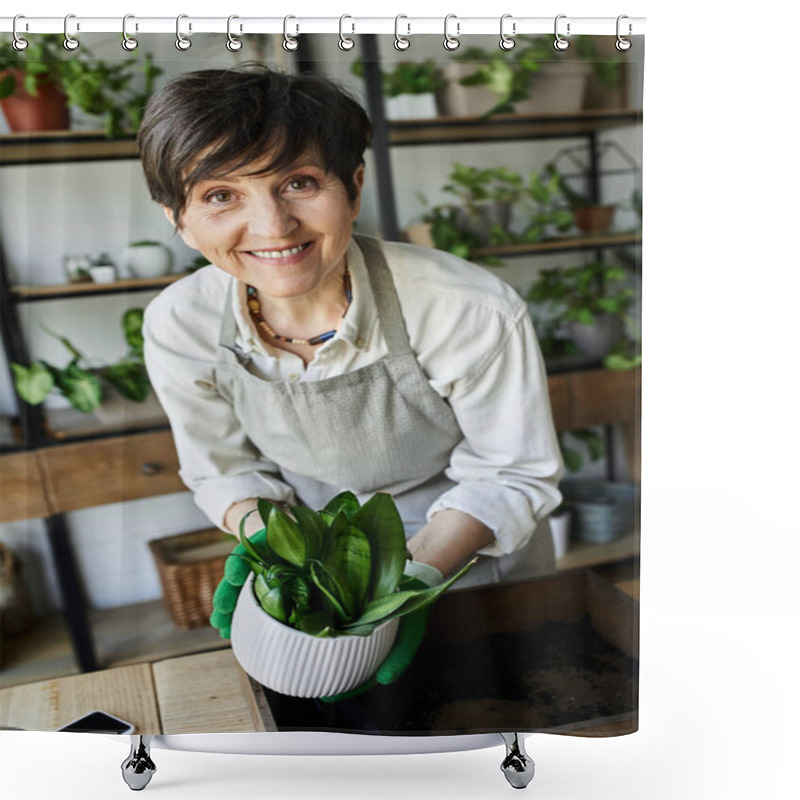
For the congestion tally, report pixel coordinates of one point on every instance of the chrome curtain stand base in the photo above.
(138, 768)
(517, 766)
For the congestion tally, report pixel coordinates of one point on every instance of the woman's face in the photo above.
(285, 232)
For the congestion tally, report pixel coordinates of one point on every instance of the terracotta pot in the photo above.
(26, 113)
(594, 219)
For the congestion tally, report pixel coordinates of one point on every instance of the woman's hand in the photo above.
(449, 540)
(234, 515)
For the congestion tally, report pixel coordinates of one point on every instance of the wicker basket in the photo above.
(190, 566)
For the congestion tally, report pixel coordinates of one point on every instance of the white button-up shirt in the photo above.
(472, 337)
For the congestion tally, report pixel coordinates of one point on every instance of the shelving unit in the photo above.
(49, 468)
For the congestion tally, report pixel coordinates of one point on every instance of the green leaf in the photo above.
(81, 388)
(270, 598)
(8, 85)
(380, 520)
(313, 527)
(345, 502)
(132, 321)
(330, 588)
(33, 383)
(402, 603)
(351, 565)
(314, 623)
(285, 537)
(129, 378)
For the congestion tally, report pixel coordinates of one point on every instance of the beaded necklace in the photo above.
(255, 311)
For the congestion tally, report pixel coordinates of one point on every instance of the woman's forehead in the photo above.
(272, 161)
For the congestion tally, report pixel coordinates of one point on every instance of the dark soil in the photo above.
(559, 674)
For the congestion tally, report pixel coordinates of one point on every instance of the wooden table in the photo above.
(201, 693)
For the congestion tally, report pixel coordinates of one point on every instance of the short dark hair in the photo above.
(205, 124)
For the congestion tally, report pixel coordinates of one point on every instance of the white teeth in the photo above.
(279, 253)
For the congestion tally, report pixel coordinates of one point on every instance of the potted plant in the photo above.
(410, 88)
(37, 87)
(528, 79)
(318, 613)
(147, 259)
(489, 200)
(83, 385)
(590, 300)
(590, 217)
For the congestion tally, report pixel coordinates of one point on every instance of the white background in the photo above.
(720, 604)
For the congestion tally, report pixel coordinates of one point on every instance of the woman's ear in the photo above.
(358, 183)
(181, 231)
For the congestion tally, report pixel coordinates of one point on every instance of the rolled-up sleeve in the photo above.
(508, 465)
(218, 463)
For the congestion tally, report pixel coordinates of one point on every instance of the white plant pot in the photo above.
(596, 341)
(560, 529)
(148, 261)
(411, 106)
(558, 88)
(294, 663)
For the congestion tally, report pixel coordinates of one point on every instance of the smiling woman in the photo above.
(304, 362)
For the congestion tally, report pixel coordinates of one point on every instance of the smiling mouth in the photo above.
(287, 253)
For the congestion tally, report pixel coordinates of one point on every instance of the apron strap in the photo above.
(386, 301)
(227, 331)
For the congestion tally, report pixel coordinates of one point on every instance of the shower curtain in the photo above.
(524, 162)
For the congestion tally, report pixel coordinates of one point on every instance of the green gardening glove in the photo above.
(227, 593)
(410, 632)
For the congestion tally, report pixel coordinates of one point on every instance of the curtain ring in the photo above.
(451, 42)
(18, 43)
(506, 42)
(561, 43)
(233, 44)
(289, 42)
(128, 42)
(344, 42)
(400, 42)
(623, 44)
(181, 42)
(70, 42)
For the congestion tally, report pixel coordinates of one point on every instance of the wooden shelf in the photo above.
(89, 289)
(589, 555)
(589, 242)
(443, 130)
(131, 634)
(70, 146)
(64, 146)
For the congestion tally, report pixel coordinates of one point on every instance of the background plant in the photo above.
(96, 87)
(338, 571)
(408, 77)
(81, 384)
(507, 73)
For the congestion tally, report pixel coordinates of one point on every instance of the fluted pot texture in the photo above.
(298, 664)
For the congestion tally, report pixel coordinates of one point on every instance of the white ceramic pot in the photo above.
(148, 261)
(294, 663)
(597, 340)
(560, 530)
(411, 106)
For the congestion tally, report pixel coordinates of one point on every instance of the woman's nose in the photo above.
(271, 217)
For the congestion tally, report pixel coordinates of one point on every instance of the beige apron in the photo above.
(379, 428)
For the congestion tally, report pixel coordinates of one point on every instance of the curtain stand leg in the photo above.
(517, 766)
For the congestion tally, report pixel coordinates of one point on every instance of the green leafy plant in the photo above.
(580, 293)
(81, 385)
(507, 72)
(97, 87)
(408, 77)
(591, 442)
(338, 571)
(468, 225)
(145, 243)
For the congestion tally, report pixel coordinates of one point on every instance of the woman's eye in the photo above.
(302, 184)
(221, 196)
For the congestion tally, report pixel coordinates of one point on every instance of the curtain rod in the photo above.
(292, 25)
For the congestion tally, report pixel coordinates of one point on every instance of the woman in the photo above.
(305, 361)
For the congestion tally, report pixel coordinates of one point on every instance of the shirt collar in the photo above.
(356, 328)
